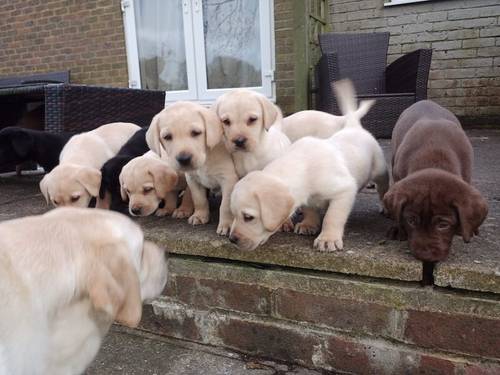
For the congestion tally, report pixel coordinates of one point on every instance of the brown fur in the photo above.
(432, 199)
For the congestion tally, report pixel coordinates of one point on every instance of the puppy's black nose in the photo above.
(184, 158)
(136, 210)
(233, 239)
(240, 142)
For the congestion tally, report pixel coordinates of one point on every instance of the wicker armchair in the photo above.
(363, 59)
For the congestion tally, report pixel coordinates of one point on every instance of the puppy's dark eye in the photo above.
(56, 203)
(226, 122)
(412, 221)
(147, 189)
(251, 120)
(75, 198)
(168, 137)
(195, 133)
(247, 218)
(443, 225)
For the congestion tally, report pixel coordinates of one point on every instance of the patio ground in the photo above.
(286, 288)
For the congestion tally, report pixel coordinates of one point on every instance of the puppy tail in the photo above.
(346, 98)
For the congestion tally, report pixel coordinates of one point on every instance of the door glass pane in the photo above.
(160, 43)
(232, 43)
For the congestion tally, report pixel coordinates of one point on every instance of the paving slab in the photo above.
(476, 266)
(133, 352)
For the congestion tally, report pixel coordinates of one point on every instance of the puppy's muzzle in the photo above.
(240, 142)
(136, 211)
(234, 239)
(184, 159)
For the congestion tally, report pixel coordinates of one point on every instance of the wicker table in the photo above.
(77, 108)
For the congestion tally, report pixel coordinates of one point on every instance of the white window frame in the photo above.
(195, 52)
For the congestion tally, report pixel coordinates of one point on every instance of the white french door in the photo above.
(198, 49)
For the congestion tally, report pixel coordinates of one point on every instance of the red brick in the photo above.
(268, 340)
(481, 369)
(183, 328)
(435, 366)
(350, 315)
(457, 333)
(223, 294)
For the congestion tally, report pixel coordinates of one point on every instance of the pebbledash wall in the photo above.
(464, 36)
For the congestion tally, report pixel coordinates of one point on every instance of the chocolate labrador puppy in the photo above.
(432, 199)
(19, 145)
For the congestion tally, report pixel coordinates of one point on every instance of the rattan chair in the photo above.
(73, 108)
(363, 58)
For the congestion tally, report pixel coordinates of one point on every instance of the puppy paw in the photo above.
(306, 229)
(223, 229)
(287, 226)
(181, 213)
(328, 243)
(383, 211)
(199, 218)
(163, 212)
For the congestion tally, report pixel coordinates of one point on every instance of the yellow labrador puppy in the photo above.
(77, 178)
(252, 129)
(313, 172)
(317, 124)
(64, 278)
(188, 136)
(151, 185)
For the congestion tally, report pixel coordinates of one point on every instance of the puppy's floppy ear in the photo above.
(394, 202)
(276, 204)
(270, 111)
(90, 178)
(44, 187)
(164, 178)
(213, 127)
(153, 135)
(123, 192)
(472, 210)
(22, 143)
(113, 288)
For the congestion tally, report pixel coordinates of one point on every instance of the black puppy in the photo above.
(19, 145)
(110, 182)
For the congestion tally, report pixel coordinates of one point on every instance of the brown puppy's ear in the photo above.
(113, 287)
(276, 204)
(472, 210)
(90, 178)
(270, 111)
(394, 202)
(153, 135)
(164, 178)
(44, 187)
(213, 127)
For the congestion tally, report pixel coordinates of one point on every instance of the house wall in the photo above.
(85, 37)
(285, 54)
(464, 36)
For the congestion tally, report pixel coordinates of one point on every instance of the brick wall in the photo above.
(284, 49)
(465, 37)
(85, 37)
(331, 322)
